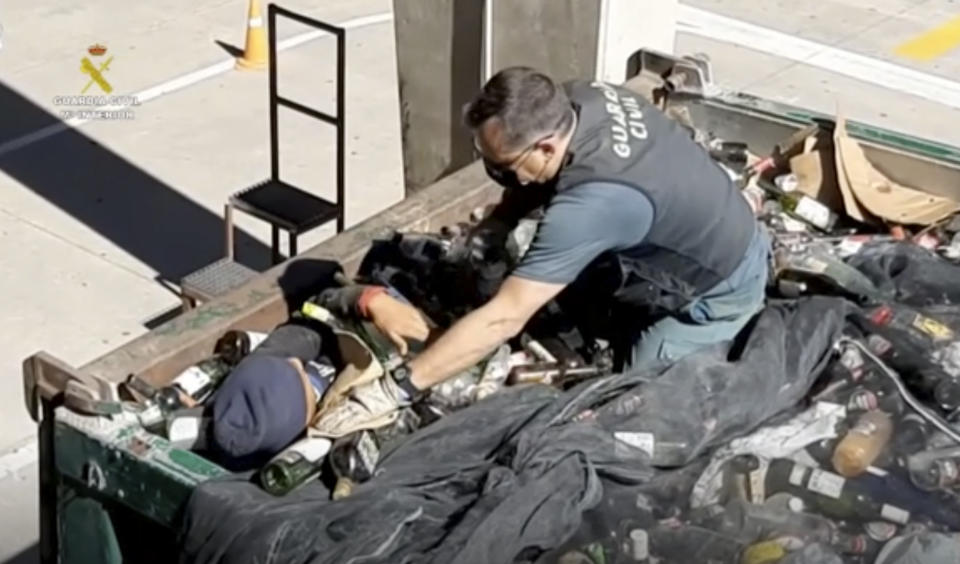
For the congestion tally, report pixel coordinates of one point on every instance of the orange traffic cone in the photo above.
(255, 54)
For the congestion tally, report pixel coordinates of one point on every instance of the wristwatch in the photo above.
(401, 375)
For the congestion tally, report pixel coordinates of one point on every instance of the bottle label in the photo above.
(766, 551)
(895, 514)
(368, 451)
(151, 415)
(794, 225)
(949, 472)
(804, 458)
(813, 211)
(851, 359)
(288, 457)
(185, 428)
(932, 327)
(815, 265)
(642, 441)
(862, 400)
(880, 530)
(826, 483)
(796, 474)
(192, 380)
(314, 311)
(864, 426)
(878, 344)
(882, 315)
(851, 245)
(787, 182)
(320, 376)
(312, 448)
(758, 480)
(256, 338)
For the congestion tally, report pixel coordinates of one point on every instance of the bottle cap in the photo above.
(796, 504)
(150, 415)
(947, 394)
(575, 557)
(343, 488)
(947, 472)
(317, 312)
(640, 544)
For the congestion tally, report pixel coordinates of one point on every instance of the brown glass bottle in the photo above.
(863, 443)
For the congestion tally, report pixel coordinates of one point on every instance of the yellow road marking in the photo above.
(931, 44)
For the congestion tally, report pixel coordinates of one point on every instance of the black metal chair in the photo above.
(282, 205)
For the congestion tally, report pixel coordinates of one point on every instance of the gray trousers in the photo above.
(717, 317)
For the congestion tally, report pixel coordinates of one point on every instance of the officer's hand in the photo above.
(397, 320)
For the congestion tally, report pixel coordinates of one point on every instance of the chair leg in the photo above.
(293, 244)
(275, 244)
(228, 225)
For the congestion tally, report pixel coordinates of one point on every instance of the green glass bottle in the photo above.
(830, 494)
(380, 345)
(801, 206)
(296, 465)
(194, 385)
(234, 345)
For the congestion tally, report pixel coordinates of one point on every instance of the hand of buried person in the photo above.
(397, 320)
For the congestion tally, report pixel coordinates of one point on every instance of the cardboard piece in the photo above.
(357, 399)
(867, 192)
(816, 171)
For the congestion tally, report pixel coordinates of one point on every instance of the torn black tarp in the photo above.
(512, 477)
(918, 276)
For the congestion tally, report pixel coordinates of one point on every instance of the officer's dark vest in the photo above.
(701, 226)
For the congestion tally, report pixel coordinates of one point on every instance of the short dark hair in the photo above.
(528, 103)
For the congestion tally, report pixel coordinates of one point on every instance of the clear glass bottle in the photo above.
(802, 206)
(749, 522)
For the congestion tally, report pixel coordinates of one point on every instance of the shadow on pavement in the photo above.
(147, 218)
(231, 50)
(30, 555)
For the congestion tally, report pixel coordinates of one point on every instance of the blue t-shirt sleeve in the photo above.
(582, 223)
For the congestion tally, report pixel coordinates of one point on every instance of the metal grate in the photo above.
(215, 279)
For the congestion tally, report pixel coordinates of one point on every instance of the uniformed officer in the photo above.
(638, 217)
(639, 221)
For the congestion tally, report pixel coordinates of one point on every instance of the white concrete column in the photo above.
(628, 25)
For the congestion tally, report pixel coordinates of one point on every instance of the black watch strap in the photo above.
(401, 375)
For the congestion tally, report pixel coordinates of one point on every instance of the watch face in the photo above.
(401, 372)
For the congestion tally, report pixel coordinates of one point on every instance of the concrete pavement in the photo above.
(93, 220)
(96, 222)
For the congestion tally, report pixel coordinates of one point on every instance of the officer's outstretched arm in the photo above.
(482, 330)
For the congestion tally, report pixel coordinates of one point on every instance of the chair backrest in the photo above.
(338, 121)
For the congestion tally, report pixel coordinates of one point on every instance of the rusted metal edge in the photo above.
(261, 303)
(45, 375)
